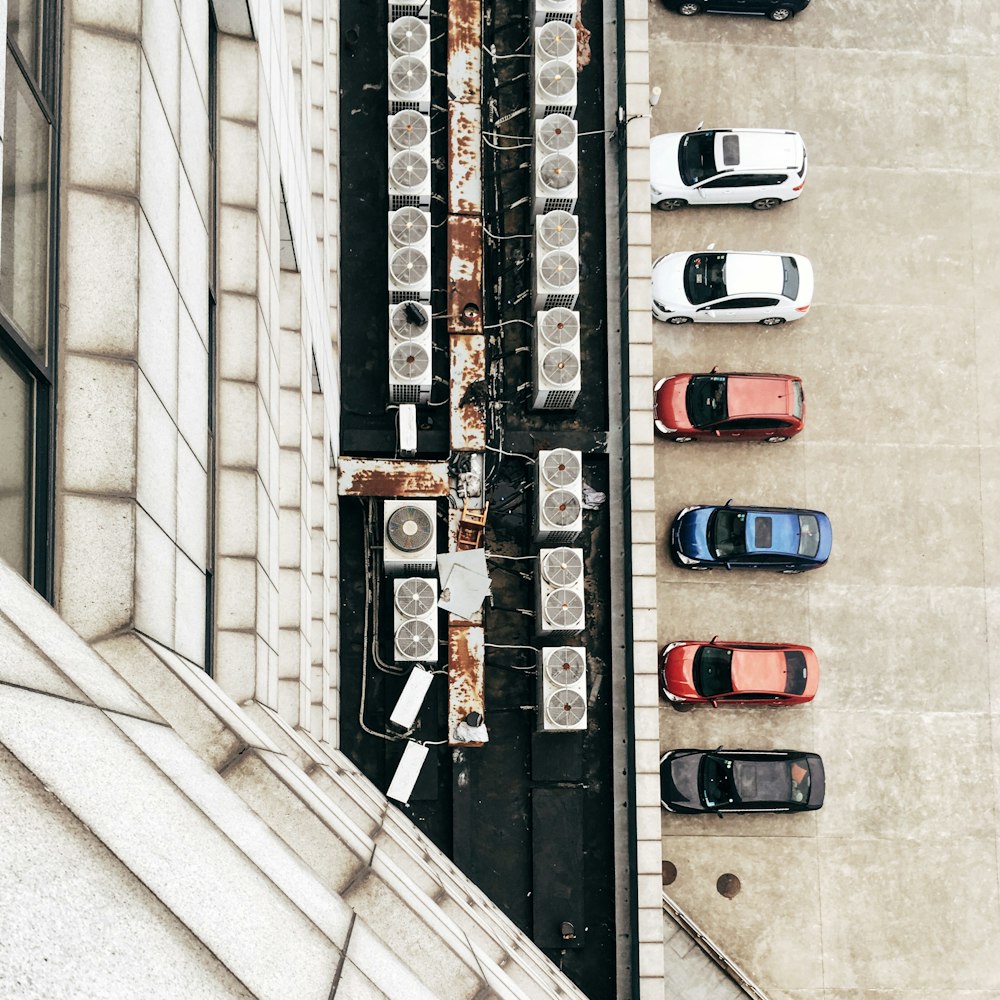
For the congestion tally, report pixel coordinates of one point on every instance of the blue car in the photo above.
(786, 539)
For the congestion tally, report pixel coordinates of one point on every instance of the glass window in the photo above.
(727, 531)
(713, 671)
(696, 157)
(796, 671)
(23, 30)
(791, 270)
(705, 277)
(758, 303)
(15, 467)
(706, 400)
(24, 243)
(808, 535)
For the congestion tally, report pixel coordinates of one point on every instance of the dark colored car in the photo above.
(729, 405)
(736, 781)
(776, 10)
(786, 539)
(738, 673)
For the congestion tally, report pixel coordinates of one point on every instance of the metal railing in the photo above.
(713, 951)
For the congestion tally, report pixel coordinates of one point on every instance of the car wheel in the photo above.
(689, 8)
(775, 438)
(772, 321)
(780, 13)
(679, 320)
(670, 204)
(763, 204)
(682, 440)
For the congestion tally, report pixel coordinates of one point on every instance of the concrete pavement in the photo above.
(891, 889)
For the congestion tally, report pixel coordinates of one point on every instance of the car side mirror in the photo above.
(721, 814)
(728, 502)
(714, 637)
(715, 703)
(729, 565)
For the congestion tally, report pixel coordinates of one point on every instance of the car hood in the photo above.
(671, 403)
(692, 533)
(668, 281)
(678, 671)
(664, 169)
(679, 785)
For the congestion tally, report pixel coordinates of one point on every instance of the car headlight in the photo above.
(661, 307)
(687, 560)
(663, 428)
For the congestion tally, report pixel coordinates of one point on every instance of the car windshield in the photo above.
(808, 535)
(696, 156)
(795, 671)
(706, 400)
(705, 277)
(716, 782)
(713, 673)
(727, 532)
(791, 272)
(798, 774)
(798, 400)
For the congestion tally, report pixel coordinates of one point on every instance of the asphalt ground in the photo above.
(892, 888)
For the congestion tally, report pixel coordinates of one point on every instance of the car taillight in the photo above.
(799, 187)
(802, 309)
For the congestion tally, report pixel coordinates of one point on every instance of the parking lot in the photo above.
(893, 885)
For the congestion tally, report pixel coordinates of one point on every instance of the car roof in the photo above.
(759, 395)
(754, 273)
(760, 149)
(773, 531)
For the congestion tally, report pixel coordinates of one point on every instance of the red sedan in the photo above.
(729, 405)
(739, 672)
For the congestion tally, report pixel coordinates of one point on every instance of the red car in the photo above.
(729, 405)
(739, 672)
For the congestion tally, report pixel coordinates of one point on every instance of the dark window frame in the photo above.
(41, 371)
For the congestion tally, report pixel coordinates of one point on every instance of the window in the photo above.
(755, 424)
(696, 157)
(705, 277)
(706, 399)
(791, 270)
(748, 303)
(27, 287)
(712, 672)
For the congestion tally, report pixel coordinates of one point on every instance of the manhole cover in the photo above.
(728, 885)
(669, 872)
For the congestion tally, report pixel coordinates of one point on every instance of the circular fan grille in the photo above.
(562, 566)
(564, 608)
(409, 361)
(408, 267)
(409, 528)
(408, 75)
(565, 709)
(557, 172)
(409, 128)
(556, 78)
(415, 640)
(557, 131)
(408, 170)
(409, 226)
(564, 666)
(560, 367)
(557, 39)
(560, 508)
(559, 269)
(408, 320)
(415, 597)
(561, 467)
(560, 326)
(558, 229)
(407, 34)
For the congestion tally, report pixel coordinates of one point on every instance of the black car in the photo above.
(776, 10)
(721, 781)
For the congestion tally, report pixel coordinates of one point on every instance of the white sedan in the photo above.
(731, 287)
(757, 167)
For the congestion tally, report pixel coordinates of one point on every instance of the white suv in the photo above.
(759, 167)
